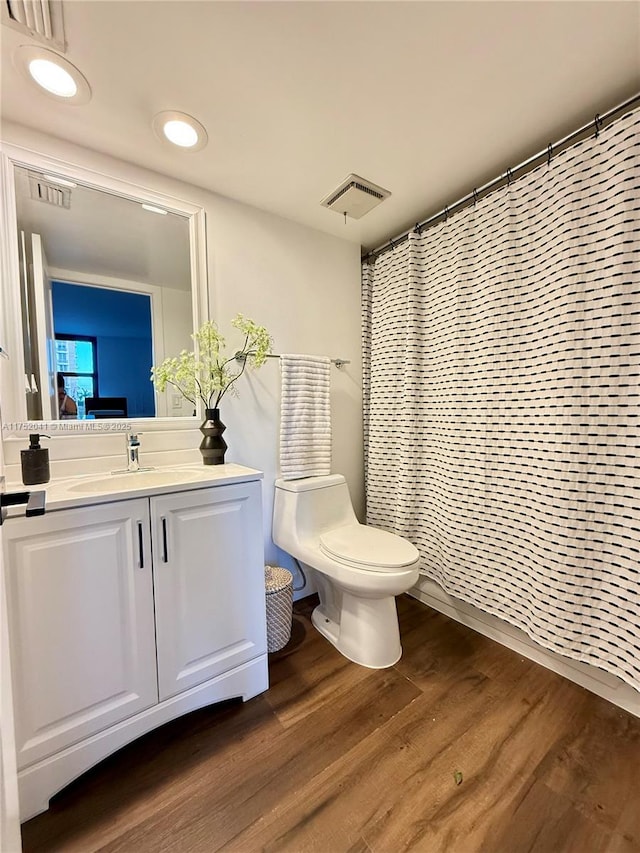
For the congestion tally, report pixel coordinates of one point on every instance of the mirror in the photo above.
(106, 282)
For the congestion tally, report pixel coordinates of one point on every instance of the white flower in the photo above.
(206, 373)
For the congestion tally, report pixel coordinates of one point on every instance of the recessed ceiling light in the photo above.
(180, 129)
(53, 78)
(180, 133)
(54, 74)
(153, 209)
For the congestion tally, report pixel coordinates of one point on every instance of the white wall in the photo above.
(303, 285)
(310, 302)
(177, 327)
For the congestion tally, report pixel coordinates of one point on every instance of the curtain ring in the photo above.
(509, 176)
(417, 229)
(475, 196)
(549, 153)
(446, 213)
(598, 124)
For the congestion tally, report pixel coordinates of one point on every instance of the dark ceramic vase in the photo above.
(213, 445)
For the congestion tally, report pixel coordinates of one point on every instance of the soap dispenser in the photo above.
(35, 462)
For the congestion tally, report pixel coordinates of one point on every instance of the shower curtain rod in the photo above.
(595, 126)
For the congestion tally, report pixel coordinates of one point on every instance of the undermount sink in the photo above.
(135, 480)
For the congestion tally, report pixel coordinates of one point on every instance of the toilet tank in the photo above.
(304, 508)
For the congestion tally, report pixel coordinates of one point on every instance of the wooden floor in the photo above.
(463, 746)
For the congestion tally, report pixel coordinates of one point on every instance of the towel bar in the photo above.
(339, 362)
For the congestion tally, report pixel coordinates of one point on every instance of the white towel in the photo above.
(305, 416)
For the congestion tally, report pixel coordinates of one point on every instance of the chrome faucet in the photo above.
(133, 447)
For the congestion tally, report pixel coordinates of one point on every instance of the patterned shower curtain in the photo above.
(502, 391)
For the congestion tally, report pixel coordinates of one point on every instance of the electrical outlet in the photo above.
(176, 401)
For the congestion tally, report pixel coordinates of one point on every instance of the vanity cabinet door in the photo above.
(209, 583)
(81, 623)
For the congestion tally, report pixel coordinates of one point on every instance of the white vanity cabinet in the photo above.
(126, 614)
(81, 623)
(209, 607)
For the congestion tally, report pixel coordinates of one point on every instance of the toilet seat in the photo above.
(368, 548)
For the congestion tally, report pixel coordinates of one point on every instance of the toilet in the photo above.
(359, 570)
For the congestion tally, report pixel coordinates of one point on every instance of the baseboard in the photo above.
(596, 680)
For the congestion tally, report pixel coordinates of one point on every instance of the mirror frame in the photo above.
(14, 405)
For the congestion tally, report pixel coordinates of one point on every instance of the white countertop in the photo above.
(103, 488)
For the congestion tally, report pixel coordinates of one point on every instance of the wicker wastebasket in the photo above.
(278, 584)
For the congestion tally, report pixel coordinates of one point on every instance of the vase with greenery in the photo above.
(207, 373)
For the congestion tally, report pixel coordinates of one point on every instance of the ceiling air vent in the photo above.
(355, 197)
(40, 190)
(40, 19)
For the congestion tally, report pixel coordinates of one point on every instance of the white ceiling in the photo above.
(427, 99)
(108, 236)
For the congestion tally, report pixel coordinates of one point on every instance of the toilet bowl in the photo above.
(358, 569)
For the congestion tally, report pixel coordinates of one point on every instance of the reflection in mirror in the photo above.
(106, 292)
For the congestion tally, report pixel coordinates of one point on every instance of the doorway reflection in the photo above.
(113, 361)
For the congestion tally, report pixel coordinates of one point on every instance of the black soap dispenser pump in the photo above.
(35, 462)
